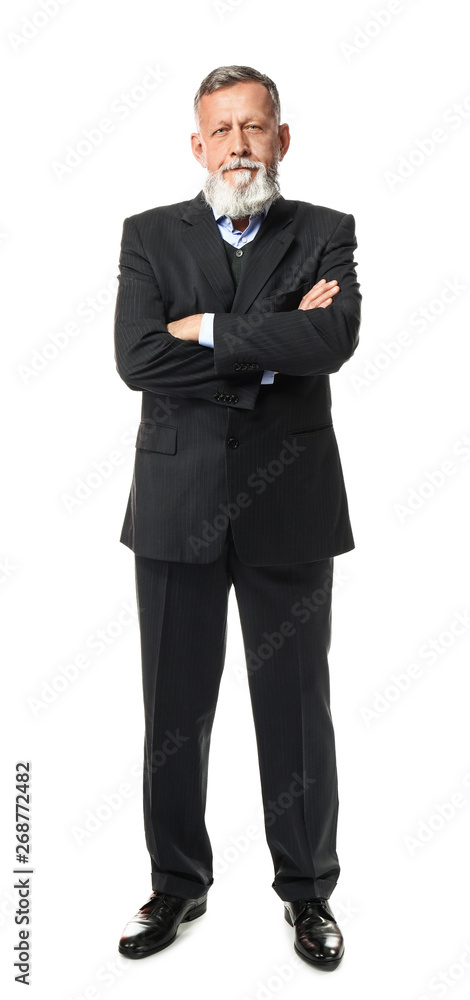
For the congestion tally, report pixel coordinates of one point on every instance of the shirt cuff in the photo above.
(206, 330)
(268, 377)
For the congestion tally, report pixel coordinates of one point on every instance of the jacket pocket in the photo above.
(309, 430)
(284, 300)
(156, 437)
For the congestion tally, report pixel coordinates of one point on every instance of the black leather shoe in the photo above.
(155, 925)
(318, 938)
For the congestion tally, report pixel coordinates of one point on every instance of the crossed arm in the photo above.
(319, 296)
(310, 340)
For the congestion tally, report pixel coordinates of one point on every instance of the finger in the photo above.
(310, 301)
(324, 290)
(319, 285)
(321, 289)
(325, 300)
(327, 287)
(315, 306)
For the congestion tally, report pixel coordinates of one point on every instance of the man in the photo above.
(232, 310)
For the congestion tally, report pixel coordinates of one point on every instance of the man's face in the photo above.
(238, 121)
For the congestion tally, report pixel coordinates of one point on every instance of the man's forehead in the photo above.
(227, 102)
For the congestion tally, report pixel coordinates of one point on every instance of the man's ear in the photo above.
(284, 139)
(197, 148)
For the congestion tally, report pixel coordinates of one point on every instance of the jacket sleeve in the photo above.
(299, 342)
(146, 354)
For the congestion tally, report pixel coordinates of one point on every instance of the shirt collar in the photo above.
(228, 222)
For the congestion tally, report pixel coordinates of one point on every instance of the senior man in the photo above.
(233, 309)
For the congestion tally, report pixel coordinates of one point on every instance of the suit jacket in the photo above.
(213, 443)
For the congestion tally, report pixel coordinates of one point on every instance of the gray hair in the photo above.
(227, 76)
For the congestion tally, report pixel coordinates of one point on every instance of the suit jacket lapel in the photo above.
(267, 250)
(204, 241)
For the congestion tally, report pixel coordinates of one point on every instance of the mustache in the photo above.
(241, 162)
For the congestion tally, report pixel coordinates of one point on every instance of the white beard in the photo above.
(248, 194)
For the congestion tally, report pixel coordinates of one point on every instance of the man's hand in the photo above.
(320, 295)
(187, 328)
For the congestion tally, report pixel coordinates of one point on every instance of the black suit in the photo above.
(237, 482)
(173, 264)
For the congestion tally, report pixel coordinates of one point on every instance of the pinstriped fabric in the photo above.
(183, 649)
(183, 616)
(310, 342)
(264, 457)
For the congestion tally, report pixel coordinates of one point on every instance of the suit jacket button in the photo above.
(233, 399)
(236, 366)
(233, 443)
(217, 395)
(255, 364)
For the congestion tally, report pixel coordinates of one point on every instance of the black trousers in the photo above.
(285, 616)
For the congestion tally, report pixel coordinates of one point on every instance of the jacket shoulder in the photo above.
(320, 214)
(152, 215)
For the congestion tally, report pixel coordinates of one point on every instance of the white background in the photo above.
(356, 114)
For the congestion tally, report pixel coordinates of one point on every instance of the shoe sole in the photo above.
(197, 911)
(328, 964)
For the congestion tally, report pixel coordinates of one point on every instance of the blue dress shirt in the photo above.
(236, 239)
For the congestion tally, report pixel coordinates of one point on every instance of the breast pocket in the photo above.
(156, 437)
(282, 301)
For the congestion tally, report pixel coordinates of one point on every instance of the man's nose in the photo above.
(240, 144)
